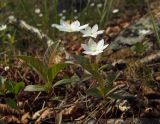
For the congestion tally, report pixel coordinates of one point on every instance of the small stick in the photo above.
(145, 60)
(31, 29)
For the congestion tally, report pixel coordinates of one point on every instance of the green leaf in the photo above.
(155, 26)
(151, 83)
(111, 78)
(74, 78)
(95, 92)
(106, 66)
(54, 70)
(141, 47)
(18, 86)
(14, 87)
(37, 65)
(31, 88)
(115, 96)
(2, 80)
(121, 94)
(95, 68)
(62, 82)
(51, 51)
(11, 102)
(84, 62)
(2, 122)
(2, 84)
(85, 78)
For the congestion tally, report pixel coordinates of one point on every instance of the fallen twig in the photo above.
(7, 110)
(31, 29)
(150, 58)
(145, 60)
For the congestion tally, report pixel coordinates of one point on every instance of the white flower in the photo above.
(63, 17)
(75, 17)
(92, 4)
(143, 31)
(75, 10)
(64, 11)
(60, 14)
(49, 43)
(9, 35)
(40, 15)
(37, 10)
(93, 48)
(115, 11)
(69, 27)
(6, 68)
(39, 24)
(12, 18)
(99, 5)
(92, 32)
(3, 27)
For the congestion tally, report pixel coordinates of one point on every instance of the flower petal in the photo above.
(92, 43)
(66, 26)
(76, 23)
(92, 53)
(86, 30)
(54, 25)
(95, 28)
(94, 35)
(83, 27)
(99, 32)
(85, 47)
(105, 46)
(89, 53)
(61, 22)
(3, 27)
(100, 45)
(85, 35)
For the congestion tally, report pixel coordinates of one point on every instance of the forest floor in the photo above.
(135, 56)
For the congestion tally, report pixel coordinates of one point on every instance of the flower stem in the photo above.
(97, 75)
(92, 59)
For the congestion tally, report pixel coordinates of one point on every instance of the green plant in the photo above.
(98, 11)
(134, 2)
(7, 44)
(103, 86)
(55, 3)
(92, 50)
(155, 25)
(105, 13)
(46, 73)
(25, 5)
(156, 29)
(8, 86)
(141, 47)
